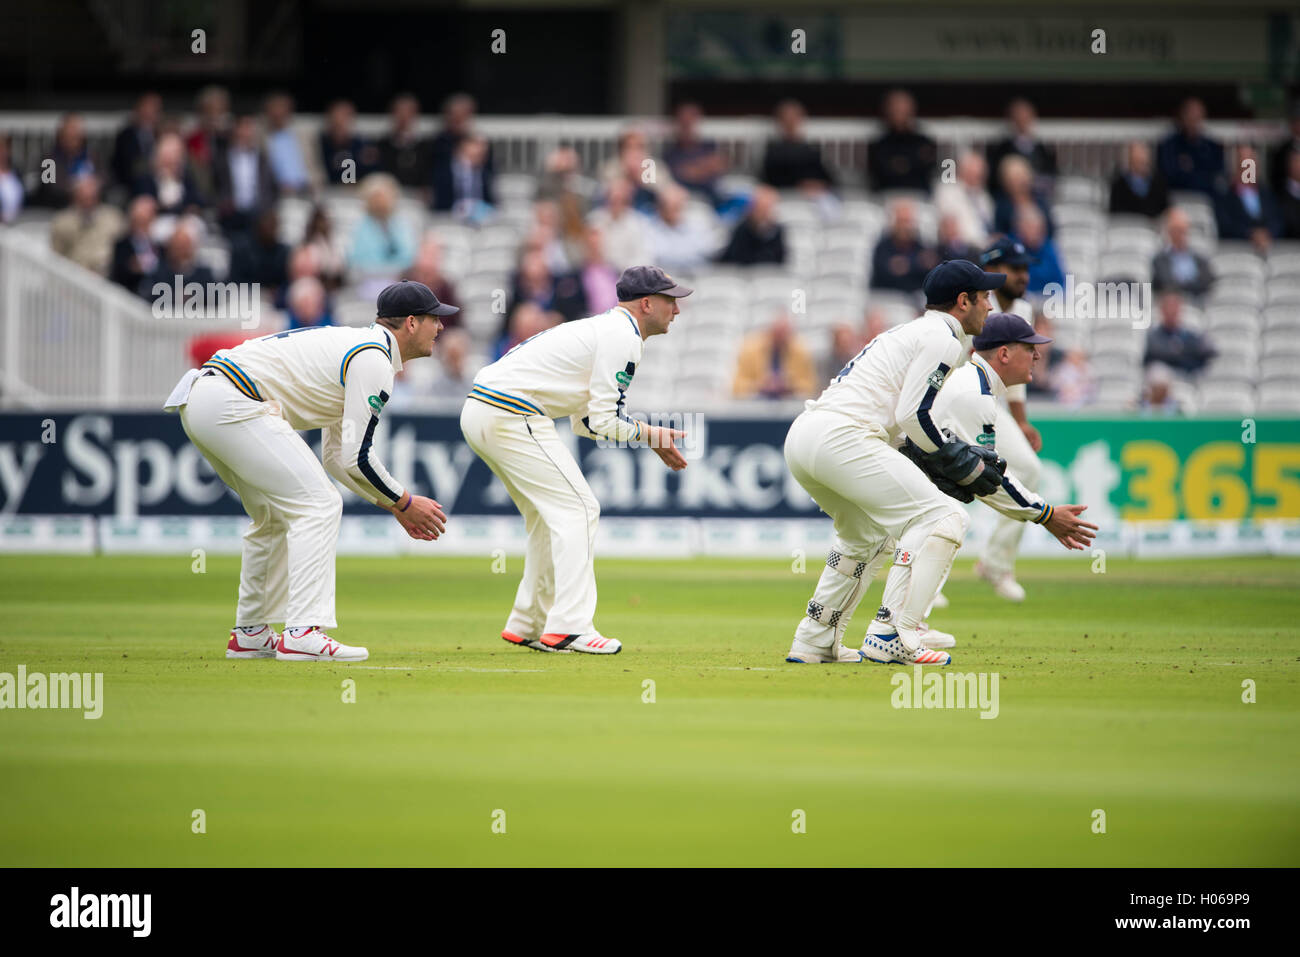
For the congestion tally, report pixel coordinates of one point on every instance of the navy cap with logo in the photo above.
(1006, 251)
(946, 281)
(410, 298)
(638, 281)
(1001, 328)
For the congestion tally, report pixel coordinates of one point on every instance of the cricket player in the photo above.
(969, 404)
(1018, 440)
(241, 410)
(843, 450)
(582, 370)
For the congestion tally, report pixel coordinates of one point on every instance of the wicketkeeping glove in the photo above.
(959, 469)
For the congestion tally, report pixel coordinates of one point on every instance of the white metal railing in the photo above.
(1084, 147)
(72, 338)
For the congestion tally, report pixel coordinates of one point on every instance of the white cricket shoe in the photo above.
(592, 644)
(933, 638)
(1004, 583)
(259, 644)
(890, 650)
(802, 653)
(532, 643)
(315, 645)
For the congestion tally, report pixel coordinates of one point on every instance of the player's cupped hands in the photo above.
(1070, 530)
(661, 440)
(423, 519)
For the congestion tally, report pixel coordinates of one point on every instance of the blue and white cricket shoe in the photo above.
(890, 650)
(805, 654)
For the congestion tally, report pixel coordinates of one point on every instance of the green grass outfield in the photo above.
(1119, 691)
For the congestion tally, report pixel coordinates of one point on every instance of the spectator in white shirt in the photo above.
(623, 228)
(967, 200)
(11, 186)
(678, 239)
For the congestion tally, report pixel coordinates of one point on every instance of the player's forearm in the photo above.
(1018, 412)
(615, 426)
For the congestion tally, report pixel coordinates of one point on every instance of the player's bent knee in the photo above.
(952, 526)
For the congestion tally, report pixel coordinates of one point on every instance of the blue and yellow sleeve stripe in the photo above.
(236, 375)
(503, 400)
(352, 354)
(1045, 515)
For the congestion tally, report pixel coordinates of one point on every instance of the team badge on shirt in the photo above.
(936, 380)
(376, 403)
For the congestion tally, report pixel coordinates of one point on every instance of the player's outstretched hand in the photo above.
(423, 519)
(1070, 530)
(661, 440)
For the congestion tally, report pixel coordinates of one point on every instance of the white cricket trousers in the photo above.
(558, 592)
(1004, 541)
(287, 572)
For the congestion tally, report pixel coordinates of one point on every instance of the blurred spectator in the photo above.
(134, 147)
(1049, 357)
(758, 238)
(169, 183)
(1172, 344)
(1290, 197)
(1073, 380)
(951, 243)
(678, 238)
(790, 160)
(622, 226)
(308, 304)
(1017, 179)
(875, 323)
(1279, 164)
(526, 319)
(71, 159)
(968, 200)
(427, 269)
(242, 179)
(344, 155)
(563, 184)
(259, 256)
(461, 173)
(846, 343)
(456, 368)
(136, 255)
(551, 292)
(86, 231)
(774, 364)
(302, 265)
(1157, 392)
(548, 235)
(383, 241)
(1138, 187)
(633, 165)
(1177, 267)
(695, 163)
(901, 157)
(471, 198)
(1245, 209)
(597, 276)
(1023, 141)
(1187, 157)
(330, 260)
(284, 148)
(179, 262)
(1030, 227)
(402, 153)
(11, 184)
(900, 260)
(204, 143)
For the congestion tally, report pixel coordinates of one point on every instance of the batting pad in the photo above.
(840, 588)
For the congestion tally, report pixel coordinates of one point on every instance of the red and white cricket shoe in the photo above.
(257, 644)
(890, 650)
(315, 645)
(592, 644)
(532, 643)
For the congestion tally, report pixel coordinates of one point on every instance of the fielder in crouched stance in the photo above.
(841, 449)
(581, 370)
(241, 411)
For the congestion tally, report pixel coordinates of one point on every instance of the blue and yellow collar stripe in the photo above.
(236, 375)
(503, 400)
(352, 353)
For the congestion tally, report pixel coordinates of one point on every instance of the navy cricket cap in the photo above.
(1001, 328)
(638, 281)
(1007, 251)
(946, 281)
(410, 298)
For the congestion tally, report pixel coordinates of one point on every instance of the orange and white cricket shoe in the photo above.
(890, 650)
(532, 643)
(255, 644)
(592, 644)
(315, 645)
